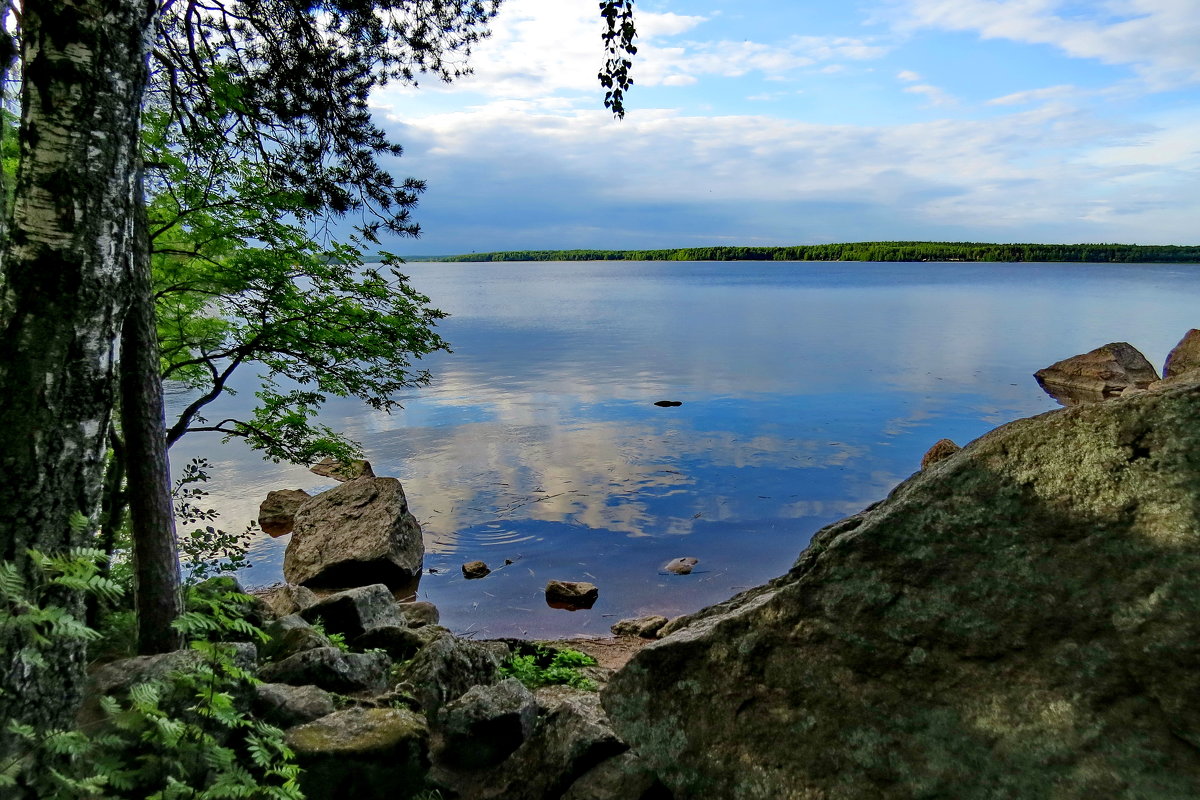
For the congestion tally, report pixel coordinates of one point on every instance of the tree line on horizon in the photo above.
(865, 251)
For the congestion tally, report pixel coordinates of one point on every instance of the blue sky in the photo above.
(772, 122)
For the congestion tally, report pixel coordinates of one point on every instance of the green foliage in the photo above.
(338, 640)
(33, 617)
(185, 736)
(545, 667)
(239, 279)
(871, 251)
(207, 551)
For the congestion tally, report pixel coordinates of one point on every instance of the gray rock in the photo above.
(1022, 620)
(645, 627)
(277, 513)
(446, 668)
(473, 570)
(117, 677)
(342, 470)
(355, 611)
(398, 641)
(941, 450)
(362, 753)
(1097, 375)
(484, 726)
(681, 566)
(331, 669)
(1185, 357)
(356, 534)
(290, 635)
(288, 598)
(571, 594)
(622, 777)
(418, 613)
(285, 706)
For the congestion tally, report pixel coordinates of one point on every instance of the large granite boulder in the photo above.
(483, 727)
(447, 667)
(331, 669)
(572, 737)
(1185, 357)
(355, 611)
(1097, 375)
(362, 753)
(356, 534)
(1021, 622)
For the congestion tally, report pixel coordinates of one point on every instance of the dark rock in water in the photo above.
(941, 450)
(644, 627)
(680, 566)
(356, 534)
(362, 753)
(277, 514)
(342, 471)
(1185, 357)
(485, 725)
(1025, 616)
(1097, 375)
(473, 570)
(284, 706)
(571, 594)
(354, 611)
(330, 669)
(668, 403)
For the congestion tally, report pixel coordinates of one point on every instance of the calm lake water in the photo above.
(809, 390)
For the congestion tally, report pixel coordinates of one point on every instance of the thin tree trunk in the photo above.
(67, 265)
(157, 596)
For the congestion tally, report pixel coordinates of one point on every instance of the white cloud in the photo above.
(934, 95)
(1160, 39)
(1032, 96)
(1045, 172)
(908, 76)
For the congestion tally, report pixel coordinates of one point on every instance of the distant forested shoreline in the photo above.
(864, 251)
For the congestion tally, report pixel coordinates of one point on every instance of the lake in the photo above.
(808, 391)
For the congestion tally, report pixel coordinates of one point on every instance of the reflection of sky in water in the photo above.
(809, 390)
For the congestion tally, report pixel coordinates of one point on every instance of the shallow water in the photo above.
(808, 391)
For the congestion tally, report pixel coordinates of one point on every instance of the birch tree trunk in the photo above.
(66, 285)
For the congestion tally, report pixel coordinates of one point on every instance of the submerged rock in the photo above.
(473, 570)
(571, 594)
(1097, 375)
(356, 534)
(1023, 620)
(680, 566)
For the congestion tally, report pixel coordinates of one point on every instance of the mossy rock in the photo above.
(362, 753)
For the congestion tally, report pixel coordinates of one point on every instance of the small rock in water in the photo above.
(474, 569)
(668, 403)
(571, 595)
(680, 566)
